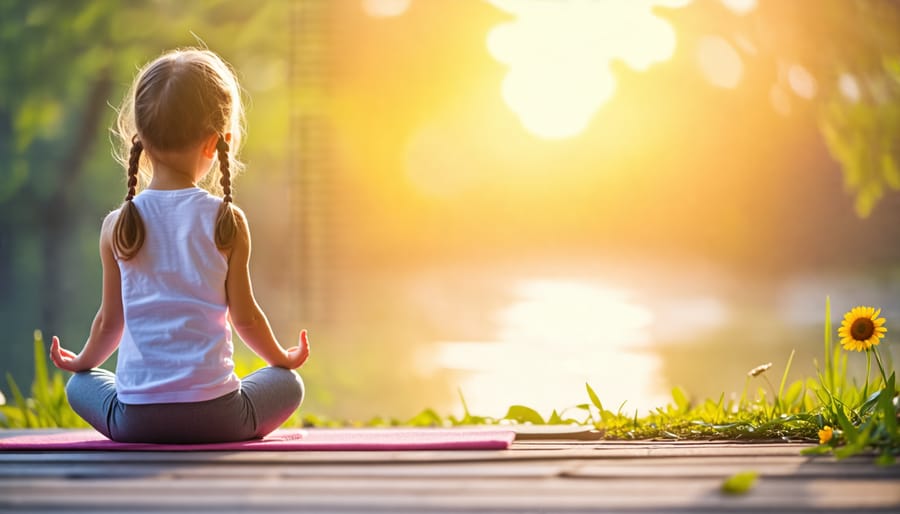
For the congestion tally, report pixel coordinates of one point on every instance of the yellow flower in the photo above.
(825, 435)
(861, 329)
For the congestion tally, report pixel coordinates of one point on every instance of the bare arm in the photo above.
(106, 330)
(246, 315)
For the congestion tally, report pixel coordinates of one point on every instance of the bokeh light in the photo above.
(719, 62)
(849, 87)
(385, 8)
(802, 82)
(740, 7)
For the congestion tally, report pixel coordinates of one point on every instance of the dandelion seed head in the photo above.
(759, 370)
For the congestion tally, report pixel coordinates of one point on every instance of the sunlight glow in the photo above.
(719, 62)
(780, 100)
(559, 55)
(385, 8)
(437, 161)
(555, 336)
(740, 7)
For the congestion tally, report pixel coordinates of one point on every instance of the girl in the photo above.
(176, 278)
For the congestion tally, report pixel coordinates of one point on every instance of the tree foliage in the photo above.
(64, 66)
(852, 49)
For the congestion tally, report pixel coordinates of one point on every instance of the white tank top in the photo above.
(176, 346)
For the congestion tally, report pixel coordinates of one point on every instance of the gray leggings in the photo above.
(267, 397)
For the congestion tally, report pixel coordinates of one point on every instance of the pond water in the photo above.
(535, 332)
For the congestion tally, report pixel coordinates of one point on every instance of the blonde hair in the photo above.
(177, 101)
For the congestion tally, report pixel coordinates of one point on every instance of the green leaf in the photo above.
(822, 449)
(886, 407)
(885, 459)
(870, 403)
(524, 414)
(793, 394)
(857, 446)
(426, 418)
(555, 419)
(850, 431)
(680, 399)
(740, 483)
(594, 398)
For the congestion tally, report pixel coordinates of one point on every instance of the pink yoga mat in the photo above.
(321, 439)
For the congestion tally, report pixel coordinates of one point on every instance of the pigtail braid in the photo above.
(226, 223)
(128, 234)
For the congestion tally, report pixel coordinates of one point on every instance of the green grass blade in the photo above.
(784, 375)
(40, 389)
(680, 399)
(27, 418)
(466, 414)
(829, 372)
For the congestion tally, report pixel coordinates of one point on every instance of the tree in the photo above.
(851, 48)
(64, 65)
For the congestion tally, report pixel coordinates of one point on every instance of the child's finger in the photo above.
(54, 351)
(304, 338)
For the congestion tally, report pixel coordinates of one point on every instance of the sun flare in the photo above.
(559, 55)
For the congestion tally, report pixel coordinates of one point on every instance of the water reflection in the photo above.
(534, 332)
(635, 331)
(555, 336)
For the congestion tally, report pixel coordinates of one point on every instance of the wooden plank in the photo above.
(526, 469)
(440, 494)
(795, 466)
(533, 476)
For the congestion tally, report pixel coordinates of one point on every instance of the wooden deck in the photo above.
(553, 476)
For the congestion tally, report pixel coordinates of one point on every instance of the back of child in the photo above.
(176, 276)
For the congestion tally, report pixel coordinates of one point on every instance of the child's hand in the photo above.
(298, 354)
(62, 358)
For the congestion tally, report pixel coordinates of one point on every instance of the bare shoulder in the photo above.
(107, 230)
(110, 220)
(108, 226)
(242, 226)
(239, 214)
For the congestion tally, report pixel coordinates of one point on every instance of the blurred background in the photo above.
(506, 198)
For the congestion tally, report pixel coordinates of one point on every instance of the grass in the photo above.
(858, 418)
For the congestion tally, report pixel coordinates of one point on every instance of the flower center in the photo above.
(862, 329)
